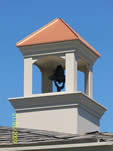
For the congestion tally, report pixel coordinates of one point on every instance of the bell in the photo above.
(58, 77)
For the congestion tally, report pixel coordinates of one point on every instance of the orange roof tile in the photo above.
(55, 31)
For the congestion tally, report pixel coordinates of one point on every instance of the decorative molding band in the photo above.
(46, 108)
(50, 54)
(58, 99)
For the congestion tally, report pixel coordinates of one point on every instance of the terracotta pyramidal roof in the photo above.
(55, 31)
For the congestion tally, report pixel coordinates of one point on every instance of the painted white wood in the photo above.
(71, 72)
(86, 82)
(87, 122)
(63, 112)
(59, 120)
(45, 49)
(89, 81)
(66, 119)
(94, 146)
(27, 76)
(57, 99)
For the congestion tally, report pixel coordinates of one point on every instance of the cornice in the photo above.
(58, 100)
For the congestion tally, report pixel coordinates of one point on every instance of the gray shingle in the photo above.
(42, 137)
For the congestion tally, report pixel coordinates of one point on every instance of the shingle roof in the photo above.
(55, 31)
(29, 137)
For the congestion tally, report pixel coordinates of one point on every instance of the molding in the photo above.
(53, 48)
(46, 108)
(85, 52)
(61, 146)
(58, 99)
(51, 54)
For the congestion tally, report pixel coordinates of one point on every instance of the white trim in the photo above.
(48, 107)
(40, 95)
(53, 53)
(60, 98)
(83, 145)
(56, 94)
(36, 50)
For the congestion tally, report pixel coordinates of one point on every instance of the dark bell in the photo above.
(58, 77)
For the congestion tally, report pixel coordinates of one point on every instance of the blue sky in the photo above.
(93, 20)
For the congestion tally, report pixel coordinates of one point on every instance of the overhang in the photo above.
(54, 32)
(57, 100)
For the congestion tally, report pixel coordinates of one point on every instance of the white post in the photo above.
(27, 76)
(46, 83)
(71, 72)
(86, 82)
(89, 81)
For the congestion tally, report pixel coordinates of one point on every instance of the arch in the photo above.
(47, 66)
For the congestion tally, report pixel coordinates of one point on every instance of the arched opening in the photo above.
(47, 65)
(36, 80)
(50, 63)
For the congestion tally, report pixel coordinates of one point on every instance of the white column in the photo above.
(71, 72)
(46, 83)
(27, 76)
(89, 81)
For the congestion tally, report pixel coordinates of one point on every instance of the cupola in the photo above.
(59, 52)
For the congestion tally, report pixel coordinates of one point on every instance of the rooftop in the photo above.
(32, 137)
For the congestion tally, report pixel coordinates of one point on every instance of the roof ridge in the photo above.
(72, 30)
(36, 32)
(80, 38)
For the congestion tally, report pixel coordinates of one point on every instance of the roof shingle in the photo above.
(29, 137)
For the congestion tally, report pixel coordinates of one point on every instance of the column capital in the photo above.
(73, 52)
